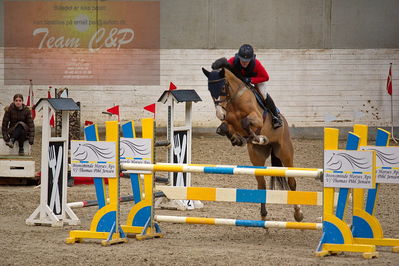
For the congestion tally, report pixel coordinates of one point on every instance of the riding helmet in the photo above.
(246, 52)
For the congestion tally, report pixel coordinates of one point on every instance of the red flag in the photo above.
(88, 123)
(30, 100)
(114, 110)
(52, 121)
(389, 81)
(150, 108)
(171, 87)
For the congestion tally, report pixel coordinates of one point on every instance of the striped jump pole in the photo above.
(227, 170)
(243, 195)
(234, 222)
(90, 203)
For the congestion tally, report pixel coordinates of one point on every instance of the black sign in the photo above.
(55, 176)
(180, 145)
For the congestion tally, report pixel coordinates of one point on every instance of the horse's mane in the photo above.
(231, 77)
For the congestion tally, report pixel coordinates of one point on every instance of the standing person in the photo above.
(18, 124)
(250, 70)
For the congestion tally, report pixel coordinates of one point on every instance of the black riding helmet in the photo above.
(246, 53)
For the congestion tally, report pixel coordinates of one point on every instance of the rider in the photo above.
(245, 64)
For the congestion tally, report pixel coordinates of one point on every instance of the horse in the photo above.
(244, 121)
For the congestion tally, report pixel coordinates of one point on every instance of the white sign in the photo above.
(135, 150)
(93, 159)
(387, 163)
(349, 169)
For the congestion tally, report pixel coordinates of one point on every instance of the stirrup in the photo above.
(276, 121)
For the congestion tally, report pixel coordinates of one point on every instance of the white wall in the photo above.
(313, 88)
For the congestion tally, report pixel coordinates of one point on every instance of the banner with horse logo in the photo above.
(93, 159)
(135, 150)
(387, 163)
(349, 169)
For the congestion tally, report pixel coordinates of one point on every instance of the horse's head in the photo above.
(217, 86)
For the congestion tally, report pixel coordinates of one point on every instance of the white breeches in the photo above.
(262, 89)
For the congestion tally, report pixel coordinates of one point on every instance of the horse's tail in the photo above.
(282, 181)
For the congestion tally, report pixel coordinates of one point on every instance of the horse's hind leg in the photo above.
(258, 155)
(287, 161)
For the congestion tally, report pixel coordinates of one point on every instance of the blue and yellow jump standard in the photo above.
(337, 236)
(366, 228)
(140, 220)
(105, 223)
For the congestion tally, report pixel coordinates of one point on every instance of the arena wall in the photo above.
(313, 88)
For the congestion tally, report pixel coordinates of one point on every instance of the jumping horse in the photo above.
(244, 121)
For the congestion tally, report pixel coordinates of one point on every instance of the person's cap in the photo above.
(245, 53)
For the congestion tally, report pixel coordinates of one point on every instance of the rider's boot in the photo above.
(276, 119)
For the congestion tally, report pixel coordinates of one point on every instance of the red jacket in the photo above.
(258, 73)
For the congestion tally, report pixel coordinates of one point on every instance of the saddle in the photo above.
(259, 99)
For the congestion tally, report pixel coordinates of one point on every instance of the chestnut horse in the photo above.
(244, 121)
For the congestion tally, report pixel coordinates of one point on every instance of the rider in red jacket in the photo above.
(245, 64)
(252, 70)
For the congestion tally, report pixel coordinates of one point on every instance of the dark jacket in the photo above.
(13, 117)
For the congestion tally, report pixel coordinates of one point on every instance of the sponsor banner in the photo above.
(349, 169)
(387, 163)
(93, 159)
(82, 42)
(135, 150)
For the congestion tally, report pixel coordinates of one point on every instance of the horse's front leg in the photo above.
(225, 129)
(253, 126)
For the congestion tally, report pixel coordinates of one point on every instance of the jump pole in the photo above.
(90, 203)
(242, 223)
(230, 170)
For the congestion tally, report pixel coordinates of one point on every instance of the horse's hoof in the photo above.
(261, 140)
(298, 215)
(237, 141)
(222, 129)
(263, 215)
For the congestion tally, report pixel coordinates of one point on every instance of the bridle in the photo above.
(225, 91)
